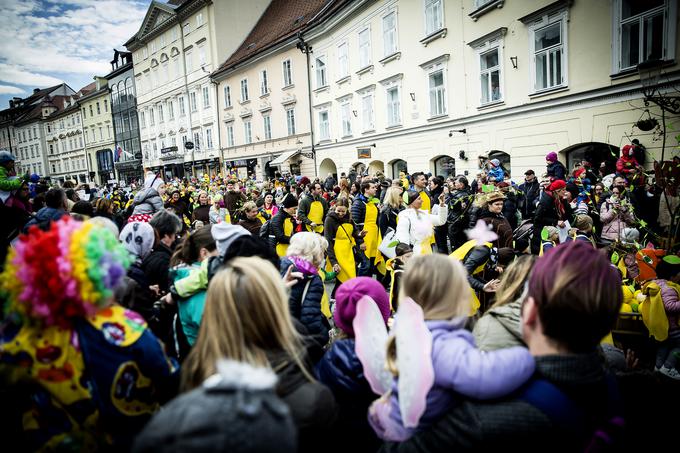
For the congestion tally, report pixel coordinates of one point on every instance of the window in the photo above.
(192, 101)
(345, 118)
(106, 106)
(189, 62)
(490, 76)
(364, 48)
(248, 132)
(187, 28)
(433, 16)
(171, 110)
(180, 103)
(324, 126)
(166, 72)
(437, 93)
(343, 61)
(287, 73)
(264, 84)
(199, 20)
(290, 121)
(151, 118)
(367, 112)
(101, 133)
(160, 113)
(51, 149)
(162, 41)
(208, 138)
(174, 35)
(84, 113)
(227, 96)
(230, 135)
(393, 107)
(267, 127)
(206, 98)
(201, 55)
(548, 55)
(145, 53)
(197, 140)
(99, 110)
(153, 46)
(644, 31)
(108, 131)
(320, 67)
(178, 70)
(244, 90)
(390, 34)
(91, 111)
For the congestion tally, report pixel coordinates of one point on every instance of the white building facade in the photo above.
(66, 144)
(442, 86)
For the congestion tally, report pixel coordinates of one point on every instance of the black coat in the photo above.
(341, 370)
(556, 170)
(308, 311)
(157, 266)
(528, 197)
(475, 258)
(276, 227)
(388, 218)
(546, 213)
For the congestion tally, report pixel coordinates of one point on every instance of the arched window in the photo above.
(121, 93)
(114, 95)
(398, 165)
(444, 166)
(594, 152)
(503, 157)
(130, 91)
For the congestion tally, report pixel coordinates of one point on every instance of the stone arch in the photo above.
(594, 152)
(359, 167)
(375, 166)
(443, 165)
(328, 166)
(396, 166)
(503, 157)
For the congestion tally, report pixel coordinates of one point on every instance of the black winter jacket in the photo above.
(459, 203)
(556, 170)
(157, 266)
(529, 193)
(308, 311)
(475, 258)
(276, 227)
(388, 218)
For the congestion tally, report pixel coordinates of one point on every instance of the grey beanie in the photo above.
(225, 233)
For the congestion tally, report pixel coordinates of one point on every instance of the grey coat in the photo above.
(499, 328)
(147, 201)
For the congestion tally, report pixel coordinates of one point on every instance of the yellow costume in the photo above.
(316, 216)
(281, 249)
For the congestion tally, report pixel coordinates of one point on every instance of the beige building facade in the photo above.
(442, 86)
(98, 132)
(174, 52)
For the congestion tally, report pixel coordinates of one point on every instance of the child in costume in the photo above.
(495, 171)
(434, 357)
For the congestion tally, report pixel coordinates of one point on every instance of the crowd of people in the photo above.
(420, 313)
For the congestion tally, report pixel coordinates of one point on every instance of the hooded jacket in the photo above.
(499, 328)
(147, 201)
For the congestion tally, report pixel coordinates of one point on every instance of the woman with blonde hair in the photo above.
(344, 188)
(246, 319)
(305, 255)
(393, 204)
(438, 285)
(500, 326)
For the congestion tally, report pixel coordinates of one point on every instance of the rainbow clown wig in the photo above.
(69, 271)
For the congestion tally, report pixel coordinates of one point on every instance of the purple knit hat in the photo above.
(551, 157)
(347, 296)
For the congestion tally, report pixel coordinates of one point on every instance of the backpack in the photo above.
(606, 436)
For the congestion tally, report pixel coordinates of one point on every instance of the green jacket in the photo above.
(7, 184)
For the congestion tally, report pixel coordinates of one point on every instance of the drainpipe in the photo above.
(188, 96)
(307, 50)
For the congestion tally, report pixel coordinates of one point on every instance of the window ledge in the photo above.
(325, 141)
(548, 91)
(347, 136)
(225, 109)
(365, 69)
(322, 89)
(479, 12)
(441, 33)
(343, 80)
(492, 104)
(388, 58)
(266, 95)
(240, 102)
(370, 131)
(623, 73)
(288, 87)
(438, 117)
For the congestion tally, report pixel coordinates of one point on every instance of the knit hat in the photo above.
(152, 181)
(495, 162)
(583, 223)
(289, 201)
(347, 296)
(630, 235)
(551, 157)
(557, 185)
(138, 238)
(552, 231)
(225, 233)
(494, 196)
(66, 272)
(411, 196)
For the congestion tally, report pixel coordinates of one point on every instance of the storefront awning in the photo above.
(284, 157)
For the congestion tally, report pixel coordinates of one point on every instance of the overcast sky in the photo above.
(45, 42)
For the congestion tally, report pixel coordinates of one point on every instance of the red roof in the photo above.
(280, 21)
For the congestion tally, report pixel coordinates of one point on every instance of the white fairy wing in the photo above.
(371, 344)
(414, 361)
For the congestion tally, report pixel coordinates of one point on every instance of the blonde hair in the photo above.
(439, 285)
(393, 197)
(246, 315)
(308, 246)
(513, 280)
(248, 206)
